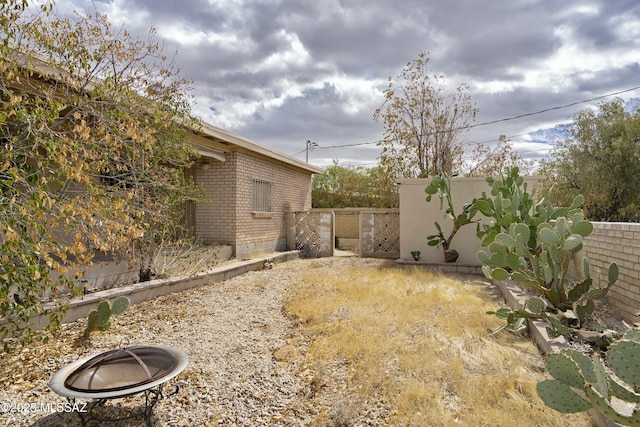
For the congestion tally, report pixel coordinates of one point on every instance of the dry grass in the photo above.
(185, 260)
(418, 342)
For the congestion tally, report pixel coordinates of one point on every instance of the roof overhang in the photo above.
(208, 140)
(207, 152)
(209, 136)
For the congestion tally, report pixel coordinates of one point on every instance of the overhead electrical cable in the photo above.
(520, 116)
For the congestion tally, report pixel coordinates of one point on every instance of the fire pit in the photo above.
(118, 373)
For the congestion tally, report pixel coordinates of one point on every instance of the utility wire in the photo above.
(347, 145)
(546, 110)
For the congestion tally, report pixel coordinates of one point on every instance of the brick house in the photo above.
(251, 188)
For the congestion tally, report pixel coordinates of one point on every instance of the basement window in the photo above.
(261, 196)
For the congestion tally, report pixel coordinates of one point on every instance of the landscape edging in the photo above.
(81, 306)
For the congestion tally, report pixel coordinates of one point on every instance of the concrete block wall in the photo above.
(620, 243)
(347, 227)
(311, 232)
(347, 224)
(373, 235)
(230, 219)
(215, 220)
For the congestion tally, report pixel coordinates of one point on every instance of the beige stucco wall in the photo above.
(230, 220)
(417, 218)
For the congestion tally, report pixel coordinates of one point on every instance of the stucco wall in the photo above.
(417, 219)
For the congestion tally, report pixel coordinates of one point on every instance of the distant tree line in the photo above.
(353, 186)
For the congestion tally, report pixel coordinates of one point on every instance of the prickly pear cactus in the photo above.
(561, 397)
(581, 383)
(98, 319)
(119, 305)
(544, 268)
(624, 359)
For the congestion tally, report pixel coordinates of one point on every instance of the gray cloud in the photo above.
(284, 71)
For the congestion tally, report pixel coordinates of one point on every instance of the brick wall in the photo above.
(620, 243)
(290, 191)
(215, 220)
(230, 219)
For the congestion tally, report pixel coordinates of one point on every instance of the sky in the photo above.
(284, 72)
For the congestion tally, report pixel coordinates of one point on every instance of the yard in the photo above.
(337, 341)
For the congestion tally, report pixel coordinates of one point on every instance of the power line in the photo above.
(505, 119)
(546, 110)
(349, 145)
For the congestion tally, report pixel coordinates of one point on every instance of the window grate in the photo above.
(261, 196)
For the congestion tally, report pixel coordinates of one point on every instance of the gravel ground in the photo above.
(245, 358)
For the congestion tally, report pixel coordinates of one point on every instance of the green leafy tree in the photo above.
(383, 187)
(424, 122)
(600, 159)
(92, 153)
(350, 187)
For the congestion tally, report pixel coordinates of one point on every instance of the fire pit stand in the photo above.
(151, 397)
(117, 374)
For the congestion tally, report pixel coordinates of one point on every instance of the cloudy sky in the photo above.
(282, 72)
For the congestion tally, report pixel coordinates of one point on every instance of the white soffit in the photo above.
(208, 152)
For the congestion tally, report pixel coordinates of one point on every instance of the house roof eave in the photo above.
(211, 134)
(211, 131)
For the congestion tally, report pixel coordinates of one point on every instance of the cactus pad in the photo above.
(585, 364)
(535, 305)
(564, 369)
(603, 407)
(119, 305)
(583, 228)
(622, 393)
(632, 335)
(624, 359)
(104, 311)
(98, 319)
(561, 397)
